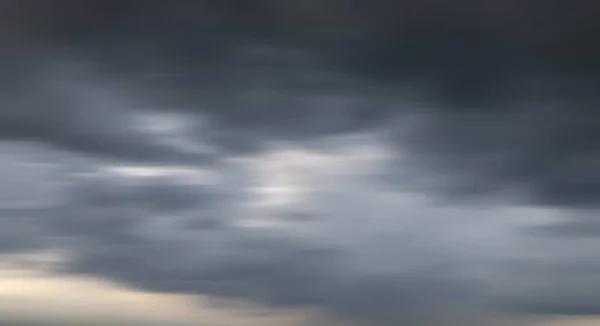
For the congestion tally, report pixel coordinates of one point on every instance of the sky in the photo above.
(158, 177)
(29, 296)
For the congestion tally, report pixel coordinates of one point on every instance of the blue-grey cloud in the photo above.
(266, 172)
(26, 196)
(342, 271)
(370, 255)
(577, 228)
(549, 156)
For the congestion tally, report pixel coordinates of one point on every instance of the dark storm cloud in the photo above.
(542, 144)
(471, 117)
(546, 149)
(70, 107)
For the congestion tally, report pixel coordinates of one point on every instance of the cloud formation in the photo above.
(272, 176)
(116, 231)
(367, 254)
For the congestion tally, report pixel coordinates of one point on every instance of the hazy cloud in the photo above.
(370, 254)
(270, 174)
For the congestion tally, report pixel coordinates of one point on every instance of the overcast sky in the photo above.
(272, 186)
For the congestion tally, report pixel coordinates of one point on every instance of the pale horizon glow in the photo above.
(29, 295)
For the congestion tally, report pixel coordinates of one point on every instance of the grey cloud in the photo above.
(155, 249)
(541, 149)
(370, 256)
(68, 105)
(117, 205)
(576, 228)
(27, 193)
(255, 91)
(535, 139)
(555, 286)
(21, 231)
(549, 155)
(141, 234)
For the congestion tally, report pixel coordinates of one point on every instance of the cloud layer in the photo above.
(310, 226)
(272, 176)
